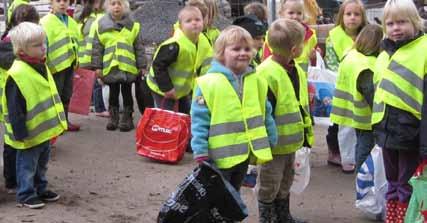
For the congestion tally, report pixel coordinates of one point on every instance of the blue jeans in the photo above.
(97, 98)
(31, 167)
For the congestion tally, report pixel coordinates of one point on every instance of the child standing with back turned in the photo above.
(288, 94)
(399, 113)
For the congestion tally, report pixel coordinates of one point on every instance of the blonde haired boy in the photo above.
(288, 95)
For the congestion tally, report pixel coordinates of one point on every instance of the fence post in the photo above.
(5, 12)
(271, 4)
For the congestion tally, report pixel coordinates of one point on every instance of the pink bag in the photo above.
(83, 82)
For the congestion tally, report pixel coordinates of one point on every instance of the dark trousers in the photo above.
(126, 90)
(169, 104)
(64, 85)
(143, 95)
(9, 168)
(399, 167)
(365, 143)
(332, 139)
(236, 174)
(97, 98)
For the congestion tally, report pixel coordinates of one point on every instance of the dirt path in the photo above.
(102, 180)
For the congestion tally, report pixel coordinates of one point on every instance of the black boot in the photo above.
(114, 118)
(283, 211)
(126, 121)
(267, 213)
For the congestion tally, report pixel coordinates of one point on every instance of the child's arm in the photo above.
(200, 122)
(141, 62)
(166, 56)
(270, 124)
(365, 85)
(423, 124)
(17, 109)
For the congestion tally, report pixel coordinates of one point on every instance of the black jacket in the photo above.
(399, 129)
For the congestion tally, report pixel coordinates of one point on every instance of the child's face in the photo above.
(116, 9)
(60, 6)
(398, 29)
(37, 48)
(191, 24)
(352, 17)
(293, 10)
(237, 57)
(258, 42)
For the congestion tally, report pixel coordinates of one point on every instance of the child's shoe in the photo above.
(49, 196)
(73, 127)
(33, 203)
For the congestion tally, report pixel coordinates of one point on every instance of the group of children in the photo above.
(245, 88)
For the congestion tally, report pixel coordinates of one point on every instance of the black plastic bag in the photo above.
(204, 196)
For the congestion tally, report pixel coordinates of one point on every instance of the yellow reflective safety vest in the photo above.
(62, 42)
(401, 80)
(13, 6)
(3, 76)
(204, 56)
(182, 72)
(118, 46)
(86, 39)
(237, 128)
(349, 107)
(292, 116)
(45, 117)
(212, 33)
(341, 42)
(304, 59)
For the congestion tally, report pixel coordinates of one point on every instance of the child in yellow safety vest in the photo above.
(172, 73)
(22, 13)
(62, 45)
(288, 94)
(354, 91)
(118, 56)
(399, 116)
(231, 121)
(351, 19)
(33, 114)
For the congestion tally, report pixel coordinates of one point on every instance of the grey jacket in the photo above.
(106, 24)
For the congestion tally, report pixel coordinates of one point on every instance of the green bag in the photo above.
(417, 209)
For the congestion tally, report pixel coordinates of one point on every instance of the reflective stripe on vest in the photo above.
(401, 79)
(349, 107)
(237, 126)
(182, 71)
(341, 42)
(289, 120)
(118, 47)
(62, 42)
(45, 117)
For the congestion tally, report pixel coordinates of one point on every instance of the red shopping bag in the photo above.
(163, 135)
(83, 82)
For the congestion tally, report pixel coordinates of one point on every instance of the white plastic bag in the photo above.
(106, 95)
(302, 170)
(347, 143)
(371, 185)
(320, 72)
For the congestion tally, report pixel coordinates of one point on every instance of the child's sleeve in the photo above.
(365, 85)
(270, 124)
(423, 124)
(17, 110)
(97, 51)
(141, 62)
(200, 122)
(331, 58)
(165, 57)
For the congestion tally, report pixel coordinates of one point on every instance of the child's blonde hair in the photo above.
(231, 35)
(200, 5)
(369, 39)
(188, 9)
(257, 9)
(212, 11)
(282, 6)
(24, 34)
(403, 9)
(125, 4)
(284, 34)
(340, 15)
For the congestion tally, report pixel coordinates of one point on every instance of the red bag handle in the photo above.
(175, 106)
(420, 169)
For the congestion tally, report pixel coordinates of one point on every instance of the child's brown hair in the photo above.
(22, 13)
(369, 39)
(340, 15)
(258, 9)
(200, 5)
(284, 34)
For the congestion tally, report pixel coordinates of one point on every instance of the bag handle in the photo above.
(420, 169)
(175, 106)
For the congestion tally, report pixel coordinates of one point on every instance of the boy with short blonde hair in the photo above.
(288, 94)
(29, 126)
